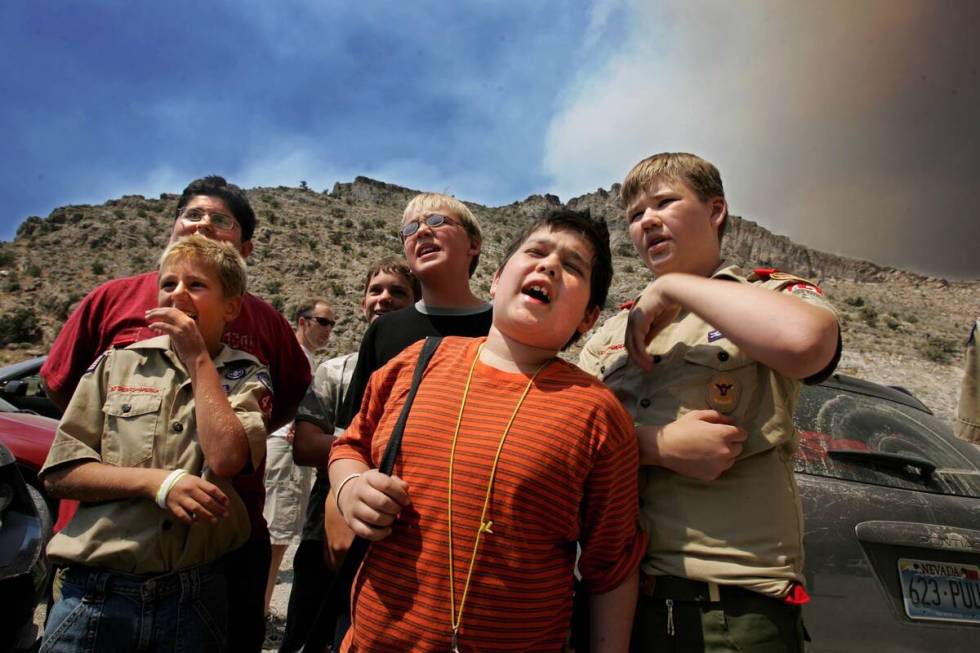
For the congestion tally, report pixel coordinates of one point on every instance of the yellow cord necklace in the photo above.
(456, 617)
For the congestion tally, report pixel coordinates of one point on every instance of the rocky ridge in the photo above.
(899, 327)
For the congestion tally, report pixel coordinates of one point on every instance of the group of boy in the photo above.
(518, 468)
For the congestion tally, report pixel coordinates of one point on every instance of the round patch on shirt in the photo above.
(235, 374)
(723, 392)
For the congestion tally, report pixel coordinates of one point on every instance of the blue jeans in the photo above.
(106, 611)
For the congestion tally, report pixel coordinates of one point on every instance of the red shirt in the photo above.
(567, 475)
(112, 316)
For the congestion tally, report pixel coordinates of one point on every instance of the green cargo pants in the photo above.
(740, 622)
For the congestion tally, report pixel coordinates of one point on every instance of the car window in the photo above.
(869, 439)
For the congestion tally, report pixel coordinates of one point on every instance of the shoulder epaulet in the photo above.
(785, 280)
(95, 363)
(625, 306)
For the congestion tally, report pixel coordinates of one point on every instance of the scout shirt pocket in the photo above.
(719, 376)
(131, 424)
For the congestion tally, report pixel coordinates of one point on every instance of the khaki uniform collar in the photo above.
(226, 356)
(727, 270)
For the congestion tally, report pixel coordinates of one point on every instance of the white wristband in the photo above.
(167, 485)
(336, 495)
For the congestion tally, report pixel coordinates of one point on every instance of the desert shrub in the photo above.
(939, 349)
(97, 267)
(29, 227)
(119, 213)
(870, 315)
(19, 326)
(857, 301)
(892, 323)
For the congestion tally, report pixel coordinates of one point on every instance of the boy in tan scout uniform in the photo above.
(968, 412)
(149, 444)
(709, 362)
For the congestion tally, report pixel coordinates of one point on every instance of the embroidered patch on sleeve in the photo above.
(265, 379)
(803, 287)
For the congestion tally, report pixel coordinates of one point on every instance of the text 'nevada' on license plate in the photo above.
(940, 591)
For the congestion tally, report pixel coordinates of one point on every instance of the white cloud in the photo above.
(810, 111)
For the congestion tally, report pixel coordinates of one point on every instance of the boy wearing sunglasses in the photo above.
(441, 240)
(510, 458)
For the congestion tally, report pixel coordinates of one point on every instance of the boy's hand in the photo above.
(182, 330)
(192, 499)
(371, 502)
(701, 444)
(651, 313)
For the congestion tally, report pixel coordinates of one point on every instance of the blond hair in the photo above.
(702, 176)
(433, 202)
(222, 257)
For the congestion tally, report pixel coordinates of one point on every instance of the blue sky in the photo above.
(825, 119)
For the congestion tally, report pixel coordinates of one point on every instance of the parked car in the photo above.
(20, 385)
(892, 517)
(25, 526)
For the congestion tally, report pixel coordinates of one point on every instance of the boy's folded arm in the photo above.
(611, 616)
(701, 444)
(796, 338)
(90, 480)
(221, 434)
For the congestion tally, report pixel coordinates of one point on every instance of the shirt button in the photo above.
(178, 427)
(657, 358)
(723, 356)
(166, 524)
(644, 403)
(126, 408)
(602, 369)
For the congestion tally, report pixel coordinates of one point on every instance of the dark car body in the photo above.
(25, 526)
(892, 517)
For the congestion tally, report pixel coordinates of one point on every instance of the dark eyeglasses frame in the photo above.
(218, 220)
(433, 220)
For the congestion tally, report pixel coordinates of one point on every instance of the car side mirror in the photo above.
(15, 388)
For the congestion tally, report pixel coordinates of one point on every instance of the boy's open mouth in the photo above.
(538, 292)
(426, 249)
(653, 241)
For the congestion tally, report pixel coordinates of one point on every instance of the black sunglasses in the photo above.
(322, 321)
(432, 220)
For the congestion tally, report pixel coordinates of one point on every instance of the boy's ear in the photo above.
(719, 212)
(233, 306)
(493, 284)
(475, 245)
(589, 320)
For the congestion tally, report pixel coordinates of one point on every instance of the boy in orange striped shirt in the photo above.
(510, 458)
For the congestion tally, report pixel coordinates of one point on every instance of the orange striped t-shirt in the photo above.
(567, 475)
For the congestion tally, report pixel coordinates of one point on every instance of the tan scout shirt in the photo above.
(968, 412)
(135, 408)
(746, 527)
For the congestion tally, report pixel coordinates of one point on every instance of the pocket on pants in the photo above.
(73, 625)
(764, 626)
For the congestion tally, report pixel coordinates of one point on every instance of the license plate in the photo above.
(940, 591)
